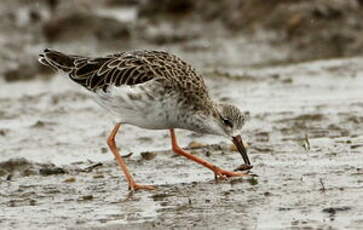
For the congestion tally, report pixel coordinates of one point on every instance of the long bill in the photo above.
(237, 141)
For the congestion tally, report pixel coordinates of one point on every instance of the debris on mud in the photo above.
(23, 167)
(307, 143)
(148, 155)
(195, 145)
(91, 167)
(104, 150)
(356, 146)
(47, 171)
(70, 180)
(253, 181)
(87, 197)
(4, 132)
(42, 124)
(323, 189)
(161, 196)
(333, 210)
(128, 155)
(243, 167)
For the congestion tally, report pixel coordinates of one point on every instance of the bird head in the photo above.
(232, 120)
(227, 120)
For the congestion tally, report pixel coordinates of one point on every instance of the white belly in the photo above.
(132, 105)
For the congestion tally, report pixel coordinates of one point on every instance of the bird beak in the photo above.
(237, 141)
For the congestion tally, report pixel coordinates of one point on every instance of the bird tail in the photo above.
(57, 60)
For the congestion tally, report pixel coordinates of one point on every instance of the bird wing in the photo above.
(130, 68)
(115, 70)
(137, 67)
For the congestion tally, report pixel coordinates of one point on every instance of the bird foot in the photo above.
(224, 174)
(135, 187)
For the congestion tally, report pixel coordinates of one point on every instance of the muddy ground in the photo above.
(305, 137)
(294, 187)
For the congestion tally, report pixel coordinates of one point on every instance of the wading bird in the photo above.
(153, 90)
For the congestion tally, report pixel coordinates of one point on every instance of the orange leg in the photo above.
(112, 144)
(217, 171)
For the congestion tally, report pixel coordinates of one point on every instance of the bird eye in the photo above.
(227, 122)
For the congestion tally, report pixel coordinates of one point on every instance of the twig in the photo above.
(322, 185)
(128, 155)
(307, 143)
(90, 168)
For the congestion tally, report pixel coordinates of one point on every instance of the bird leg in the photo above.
(112, 145)
(221, 173)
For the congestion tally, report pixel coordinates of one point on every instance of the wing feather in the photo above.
(95, 73)
(129, 68)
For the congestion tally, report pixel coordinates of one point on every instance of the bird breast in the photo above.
(142, 105)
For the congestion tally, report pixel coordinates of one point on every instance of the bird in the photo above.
(153, 90)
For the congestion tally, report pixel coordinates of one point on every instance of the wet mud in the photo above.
(304, 135)
(304, 132)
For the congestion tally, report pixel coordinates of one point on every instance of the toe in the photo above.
(225, 173)
(136, 187)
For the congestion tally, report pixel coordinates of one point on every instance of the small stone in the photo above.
(98, 176)
(104, 150)
(267, 194)
(70, 180)
(42, 124)
(195, 145)
(51, 171)
(287, 80)
(207, 153)
(3, 132)
(253, 181)
(87, 197)
(32, 202)
(38, 124)
(148, 155)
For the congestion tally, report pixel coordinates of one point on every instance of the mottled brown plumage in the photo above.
(131, 68)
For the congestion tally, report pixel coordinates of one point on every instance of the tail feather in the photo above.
(57, 60)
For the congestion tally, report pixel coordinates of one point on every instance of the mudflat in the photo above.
(304, 135)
